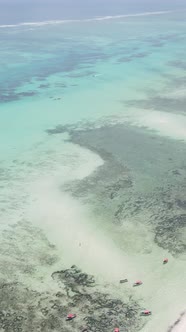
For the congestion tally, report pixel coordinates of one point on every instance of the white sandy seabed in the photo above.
(180, 324)
(70, 226)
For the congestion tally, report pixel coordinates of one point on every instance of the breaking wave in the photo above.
(103, 18)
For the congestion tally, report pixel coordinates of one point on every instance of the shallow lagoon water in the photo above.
(97, 74)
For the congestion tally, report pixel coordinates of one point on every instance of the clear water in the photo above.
(126, 70)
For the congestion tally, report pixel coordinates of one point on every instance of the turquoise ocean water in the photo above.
(102, 61)
(130, 68)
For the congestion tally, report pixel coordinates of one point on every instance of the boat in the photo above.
(137, 283)
(146, 313)
(123, 280)
(71, 316)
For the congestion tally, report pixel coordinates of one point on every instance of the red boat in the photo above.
(71, 316)
(138, 283)
(146, 313)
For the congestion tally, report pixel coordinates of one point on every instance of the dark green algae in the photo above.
(143, 176)
(25, 305)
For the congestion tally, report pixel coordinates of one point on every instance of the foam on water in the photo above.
(110, 17)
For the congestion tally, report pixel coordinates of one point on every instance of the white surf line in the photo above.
(102, 18)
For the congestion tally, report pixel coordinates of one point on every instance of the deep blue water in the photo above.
(16, 11)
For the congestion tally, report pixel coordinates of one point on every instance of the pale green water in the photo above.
(125, 70)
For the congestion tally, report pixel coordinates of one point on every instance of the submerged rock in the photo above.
(23, 310)
(97, 309)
